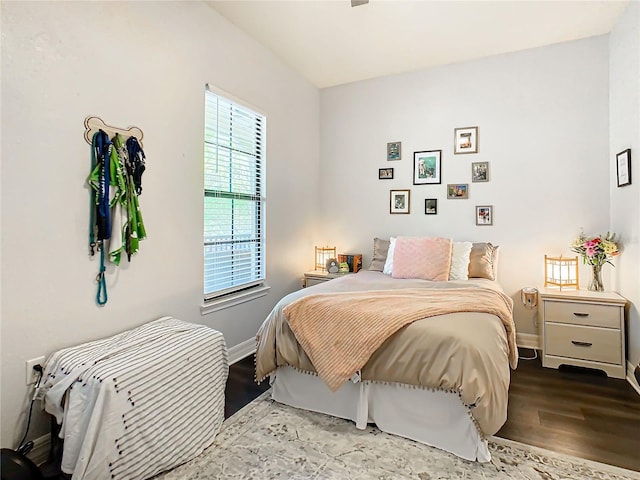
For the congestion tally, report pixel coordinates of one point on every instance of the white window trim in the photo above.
(231, 300)
(233, 98)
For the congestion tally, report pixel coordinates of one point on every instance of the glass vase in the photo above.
(595, 284)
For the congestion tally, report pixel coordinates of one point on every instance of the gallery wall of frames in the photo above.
(428, 170)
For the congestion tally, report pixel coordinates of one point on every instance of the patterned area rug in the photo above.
(267, 440)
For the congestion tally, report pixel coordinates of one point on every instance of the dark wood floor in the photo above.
(571, 410)
(576, 411)
(241, 388)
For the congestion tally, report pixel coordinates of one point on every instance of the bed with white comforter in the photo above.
(439, 373)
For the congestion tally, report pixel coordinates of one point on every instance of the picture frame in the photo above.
(465, 140)
(457, 190)
(427, 166)
(479, 172)
(400, 201)
(385, 174)
(484, 215)
(430, 206)
(623, 167)
(394, 151)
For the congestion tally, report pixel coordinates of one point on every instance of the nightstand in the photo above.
(583, 328)
(318, 276)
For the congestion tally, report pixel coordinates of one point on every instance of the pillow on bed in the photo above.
(422, 257)
(460, 261)
(380, 249)
(388, 264)
(483, 261)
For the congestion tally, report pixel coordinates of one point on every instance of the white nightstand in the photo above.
(318, 276)
(583, 328)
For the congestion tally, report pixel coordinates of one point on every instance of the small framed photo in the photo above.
(430, 206)
(484, 214)
(457, 190)
(426, 167)
(400, 201)
(623, 167)
(465, 140)
(480, 172)
(385, 173)
(394, 151)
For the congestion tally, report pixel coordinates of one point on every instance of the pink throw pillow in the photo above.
(428, 258)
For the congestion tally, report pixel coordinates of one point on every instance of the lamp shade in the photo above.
(322, 255)
(561, 272)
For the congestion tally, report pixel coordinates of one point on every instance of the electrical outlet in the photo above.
(31, 375)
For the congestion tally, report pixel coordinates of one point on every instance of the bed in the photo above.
(441, 377)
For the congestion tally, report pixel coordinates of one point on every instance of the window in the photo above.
(234, 161)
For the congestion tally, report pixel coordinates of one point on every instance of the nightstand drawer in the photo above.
(311, 281)
(586, 343)
(582, 314)
(318, 276)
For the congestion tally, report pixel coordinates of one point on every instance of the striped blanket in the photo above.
(138, 403)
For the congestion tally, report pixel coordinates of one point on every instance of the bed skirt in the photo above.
(432, 417)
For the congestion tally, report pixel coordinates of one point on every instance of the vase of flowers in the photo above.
(596, 251)
(595, 283)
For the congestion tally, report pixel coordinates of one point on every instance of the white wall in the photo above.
(624, 95)
(543, 126)
(143, 64)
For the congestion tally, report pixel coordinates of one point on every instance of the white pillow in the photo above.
(388, 263)
(460, 261)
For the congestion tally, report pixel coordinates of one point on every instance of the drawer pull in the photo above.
(580, 314)
(581, 344)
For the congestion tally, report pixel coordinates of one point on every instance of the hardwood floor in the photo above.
(571, 410)
(576, 411)
(241, 389)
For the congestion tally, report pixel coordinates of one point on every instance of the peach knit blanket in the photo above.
(340, 331)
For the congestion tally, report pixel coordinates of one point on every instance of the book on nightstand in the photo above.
(354, 260)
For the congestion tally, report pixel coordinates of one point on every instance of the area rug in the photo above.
(267, 440)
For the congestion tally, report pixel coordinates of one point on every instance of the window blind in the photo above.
(234, 200)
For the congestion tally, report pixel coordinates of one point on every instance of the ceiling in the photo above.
(331, 43)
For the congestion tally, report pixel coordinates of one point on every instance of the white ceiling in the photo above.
(331, 43)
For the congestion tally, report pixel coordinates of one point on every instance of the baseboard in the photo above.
(630, 378)
(528, 340)
(40, 451)
(242, 350)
